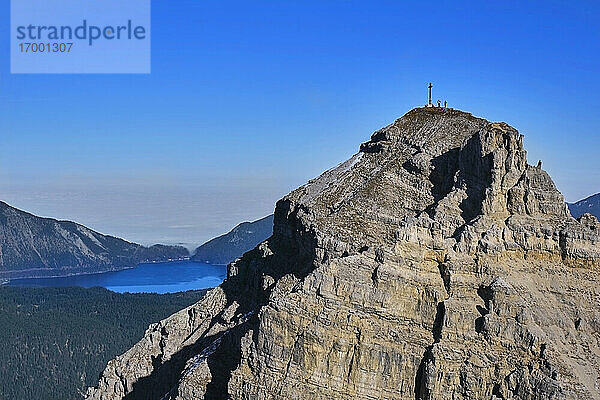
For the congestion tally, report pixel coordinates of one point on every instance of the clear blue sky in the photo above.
(247, 100)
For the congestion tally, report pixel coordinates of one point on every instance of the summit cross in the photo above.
(430, 86)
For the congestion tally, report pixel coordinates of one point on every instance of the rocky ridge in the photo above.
(32, 246)
(434, 264)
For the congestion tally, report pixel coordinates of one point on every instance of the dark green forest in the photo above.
(54, 342)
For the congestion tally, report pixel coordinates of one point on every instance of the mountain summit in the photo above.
(434, 264)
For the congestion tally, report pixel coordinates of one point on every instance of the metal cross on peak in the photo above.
(439, 102)
(430, 86)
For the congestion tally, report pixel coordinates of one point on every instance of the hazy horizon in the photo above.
(163, 210)
(245, 102)
(167, 213)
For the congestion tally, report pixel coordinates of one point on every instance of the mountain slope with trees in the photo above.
(244, 237)
(56, 341)
(32, 247)
(588, 205)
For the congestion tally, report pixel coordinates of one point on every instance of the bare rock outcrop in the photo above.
(434, 264)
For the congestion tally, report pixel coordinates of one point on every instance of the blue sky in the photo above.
(247, 100)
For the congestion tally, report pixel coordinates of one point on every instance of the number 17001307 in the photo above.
(45, 47)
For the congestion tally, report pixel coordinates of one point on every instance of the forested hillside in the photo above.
(588, 205)
(35, 247)
(244, 237)
(54, 342)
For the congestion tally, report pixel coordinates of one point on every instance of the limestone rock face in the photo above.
(434, 264)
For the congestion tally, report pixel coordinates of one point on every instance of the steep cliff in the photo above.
(434, 264)
(31, 246)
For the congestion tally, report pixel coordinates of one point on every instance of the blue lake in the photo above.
(167, 277)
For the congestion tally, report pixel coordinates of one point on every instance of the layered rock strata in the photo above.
(434, 264)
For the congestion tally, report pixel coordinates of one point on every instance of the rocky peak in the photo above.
(438, 166)
(435, 263)
(589, 221)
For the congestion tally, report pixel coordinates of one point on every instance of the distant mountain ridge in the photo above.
(588, 205)
(244, 237)
(32, 246)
